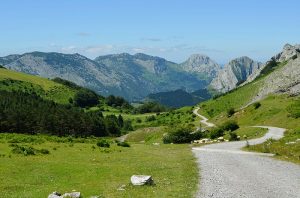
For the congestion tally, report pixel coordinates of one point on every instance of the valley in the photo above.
(60, 136)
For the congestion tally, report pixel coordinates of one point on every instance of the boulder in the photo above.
(139, 180)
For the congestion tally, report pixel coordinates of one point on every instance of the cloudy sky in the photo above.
(173, 29)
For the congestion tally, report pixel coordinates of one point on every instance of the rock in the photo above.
(122, 187)
(72, 195)
(139, 180)
(66, 195)
(234, 73)
(54, 195)
(221, 139)
(156, 144)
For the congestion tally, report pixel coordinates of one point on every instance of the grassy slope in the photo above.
(97, 171)
(44, 87)
(273, 112)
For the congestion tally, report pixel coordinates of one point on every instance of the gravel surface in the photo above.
(226, 171)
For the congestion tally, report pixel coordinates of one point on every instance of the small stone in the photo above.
(139, 180)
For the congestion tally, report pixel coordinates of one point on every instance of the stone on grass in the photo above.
(72, 195)
(66, 195)
(140, 180)
(54, 195)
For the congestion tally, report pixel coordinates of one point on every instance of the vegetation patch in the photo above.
(287, 148)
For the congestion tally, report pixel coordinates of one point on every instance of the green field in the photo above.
(95, 171)
(11, 80)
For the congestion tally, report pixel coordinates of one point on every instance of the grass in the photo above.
(287, 148)
(272, 112)
(146, 135)
(94, 171)
(250, 132)
(11, 80)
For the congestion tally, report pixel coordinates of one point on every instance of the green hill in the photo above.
(47, 89)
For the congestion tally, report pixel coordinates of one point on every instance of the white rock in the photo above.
(54, 195)
(71, 195)
(139, 180)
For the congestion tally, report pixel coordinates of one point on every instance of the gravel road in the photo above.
(226, 171)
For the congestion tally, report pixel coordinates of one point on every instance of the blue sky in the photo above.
(173, 29)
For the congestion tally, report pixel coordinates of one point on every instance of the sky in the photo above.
(172, 29)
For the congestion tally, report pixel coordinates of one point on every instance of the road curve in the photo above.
(203, 120)
(226, 171)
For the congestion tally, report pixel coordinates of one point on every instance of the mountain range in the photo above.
(136, 76)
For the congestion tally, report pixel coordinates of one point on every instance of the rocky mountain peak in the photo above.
(234, 73)
(202, 65)
(288, 52)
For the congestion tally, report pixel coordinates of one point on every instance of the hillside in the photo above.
(272, 99)
(179, 98)
(48, 89)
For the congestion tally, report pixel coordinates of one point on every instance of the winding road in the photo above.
(227, 171)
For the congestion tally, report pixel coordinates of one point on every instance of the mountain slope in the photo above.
(148, 74)
(201, 65)
(283, 78)
(234, 73)
(179, 98)
(130, 76)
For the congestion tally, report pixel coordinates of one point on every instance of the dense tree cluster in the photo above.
(28, 113)
(86, 98)
(116, 101)
(150, 107)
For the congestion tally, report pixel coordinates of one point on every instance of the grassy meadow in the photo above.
(78, 164)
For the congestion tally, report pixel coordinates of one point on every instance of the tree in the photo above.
(86, 98)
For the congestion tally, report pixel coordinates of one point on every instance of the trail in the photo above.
(227, 171)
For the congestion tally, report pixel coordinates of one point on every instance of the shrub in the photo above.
(216, 132)
(123, 144)
(233, 136)
(25, 150)
(294, 109)
(150, 118)
(86, 98)
(230, 112)
(103, 143)
(256, 105)
(230, 125)
(44, 151)
(179, 135)
(139, 120)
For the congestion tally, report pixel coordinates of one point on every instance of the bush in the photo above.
(150, 118)
(294, 109)
(256, 105)
(233, 136)
(103, 143)
(44, 151)
(179, 135)
(216, 132)
(27, 150)
(139, 120)
(230, 125)
(123, 144)
(86, 98)
(230, 112)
